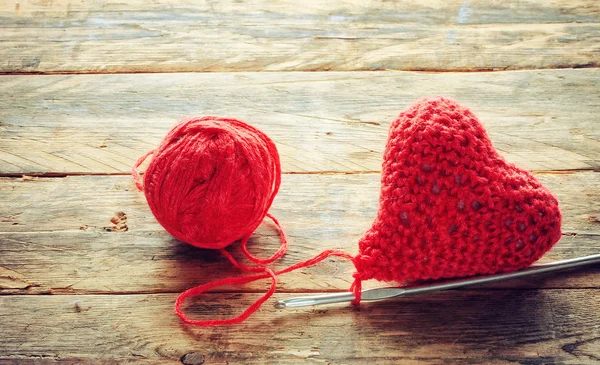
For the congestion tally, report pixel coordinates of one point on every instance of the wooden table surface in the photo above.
(87, 87)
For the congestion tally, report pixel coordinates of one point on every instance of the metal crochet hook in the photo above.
(387, 293)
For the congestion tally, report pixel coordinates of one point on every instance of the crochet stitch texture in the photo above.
(450, 205)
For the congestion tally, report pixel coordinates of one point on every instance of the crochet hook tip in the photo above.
(314, 300)
(295, 302)
(391, 292)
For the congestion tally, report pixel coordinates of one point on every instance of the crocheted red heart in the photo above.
(450, 205)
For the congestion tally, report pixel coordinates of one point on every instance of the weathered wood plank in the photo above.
(540, 120)
(69, 263)
(333, 202)
(162, 36)
(57, 235)
(461, 327)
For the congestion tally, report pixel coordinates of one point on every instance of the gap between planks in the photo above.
(316, 70)
(66, 174)
(496, 287)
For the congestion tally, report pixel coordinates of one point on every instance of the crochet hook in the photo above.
(391, 292)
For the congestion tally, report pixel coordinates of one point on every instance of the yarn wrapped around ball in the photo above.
(212, 181)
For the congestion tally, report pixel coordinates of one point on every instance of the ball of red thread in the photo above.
(212, 180)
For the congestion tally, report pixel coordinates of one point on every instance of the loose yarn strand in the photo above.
(280, 252)
(196, 291)
(236, 280)
(135, 172)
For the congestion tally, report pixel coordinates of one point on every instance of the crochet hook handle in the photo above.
(386, 293)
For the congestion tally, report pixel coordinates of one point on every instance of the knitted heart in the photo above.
(450, 205)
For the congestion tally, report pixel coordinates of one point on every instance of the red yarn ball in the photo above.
(212, 180)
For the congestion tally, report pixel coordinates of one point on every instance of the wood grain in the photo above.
(458, 327)
(88, 203)
(57, 235)
(321, 122)
(112, 271)
(67, 36)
